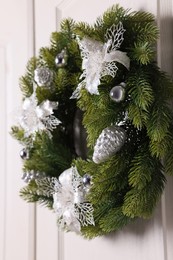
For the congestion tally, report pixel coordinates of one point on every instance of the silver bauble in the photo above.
(61, 59)
(108, 143)
(117, 93)
(86, 180)
(24, 154)
(43, 76)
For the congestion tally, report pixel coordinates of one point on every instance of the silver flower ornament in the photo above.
(100, 59)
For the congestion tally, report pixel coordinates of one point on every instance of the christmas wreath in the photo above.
(95, 123)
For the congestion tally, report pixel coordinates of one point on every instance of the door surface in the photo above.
(29, 232)
(142, 240)
(15, 36)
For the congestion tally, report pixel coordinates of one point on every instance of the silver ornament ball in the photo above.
(86, 180)
(24, 154)
(117, 93)
(108, 143)
(43, 77)
(61, 59)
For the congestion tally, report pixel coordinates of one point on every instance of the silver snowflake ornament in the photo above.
(100, 59)
(34, 118)
(70, 205)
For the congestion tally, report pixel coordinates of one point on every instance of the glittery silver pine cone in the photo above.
(43, 76)
(108, 143)
(32, 175)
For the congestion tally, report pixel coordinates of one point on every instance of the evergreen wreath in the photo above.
(95, 123)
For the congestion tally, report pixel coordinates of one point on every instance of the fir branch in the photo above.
(47, 56)
(84, 30)
(141, 17)
(142, 52)
(142, 167)
(68, 27)
(48, 158)
(17, 133)
(141, 96)
(168, 156)
(26, 86)
(114, 220)
(109, 179)
(148, 33)
(26, 82)
(159, 148)
(159, 121)
(54, 40)
(141, 203)
(99, 113)
(61, 81)
(90, 232)
(140, 90)
(31, 197)
(114, 14)
(39, 190)
(138, 116)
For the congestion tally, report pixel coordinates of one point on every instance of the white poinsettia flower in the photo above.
(34, 118)
(69, 202)
(100, 59)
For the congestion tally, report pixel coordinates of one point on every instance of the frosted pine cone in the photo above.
(108, 143)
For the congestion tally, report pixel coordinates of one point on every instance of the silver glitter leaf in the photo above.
(45, 186)
(115, 34)
(85, 213)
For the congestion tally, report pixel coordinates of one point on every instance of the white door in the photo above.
(142, 240)
(28, 232)
(16, 225)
